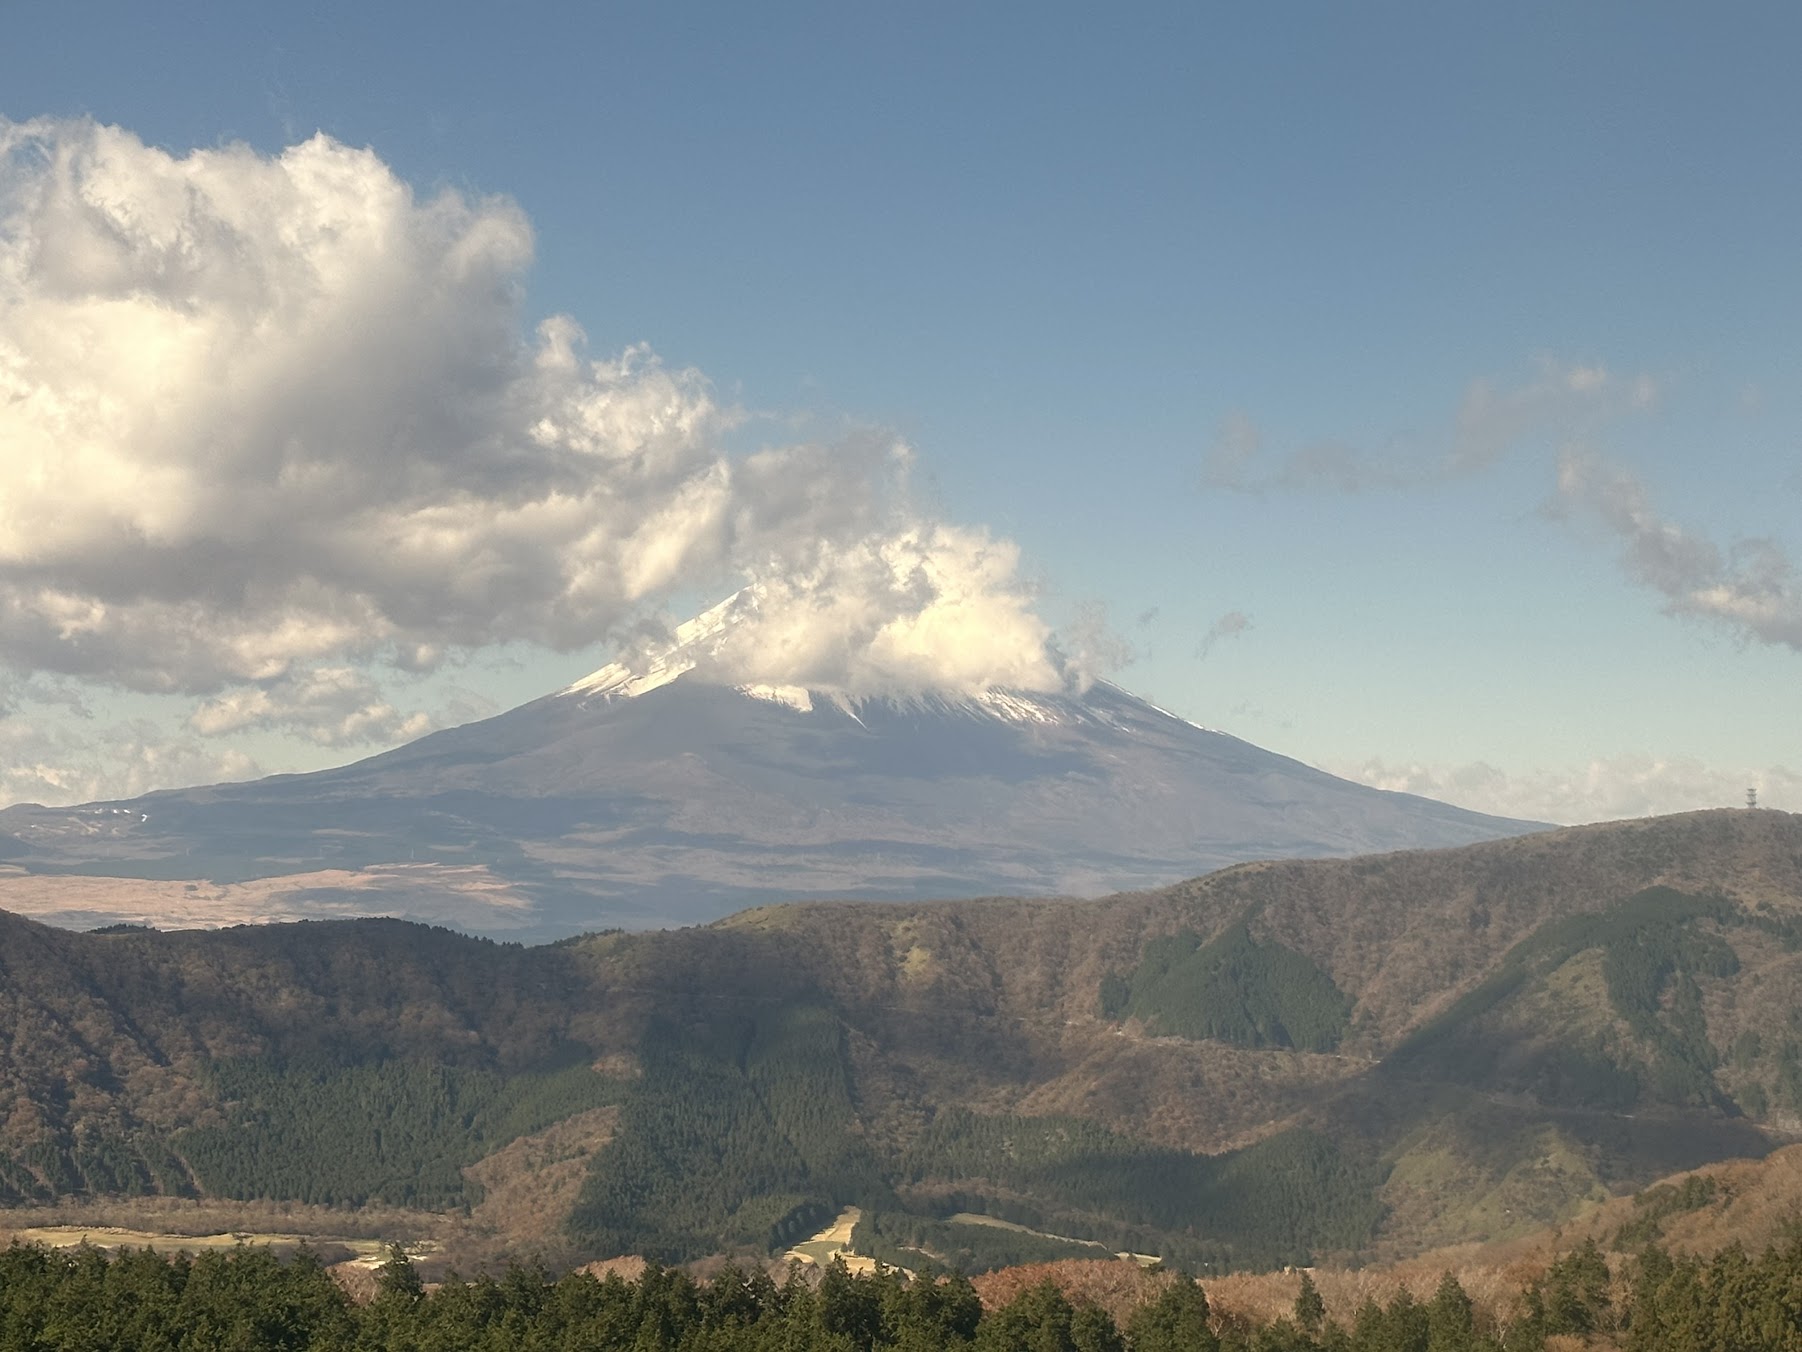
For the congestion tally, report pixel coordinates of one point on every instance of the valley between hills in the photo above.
(1327, 1062)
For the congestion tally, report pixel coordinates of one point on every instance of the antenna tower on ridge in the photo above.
(1752, 798)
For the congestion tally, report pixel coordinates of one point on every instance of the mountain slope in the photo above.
(653, 797)
(1277, 1060)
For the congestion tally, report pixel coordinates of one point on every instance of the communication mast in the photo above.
(1752, 798)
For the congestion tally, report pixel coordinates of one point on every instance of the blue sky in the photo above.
(1439, 362)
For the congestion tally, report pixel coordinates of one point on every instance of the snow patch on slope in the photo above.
(694, 640)
(1013, 707)
(794, 696)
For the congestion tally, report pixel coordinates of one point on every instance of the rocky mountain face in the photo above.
(1273, 1062)
(650, 796)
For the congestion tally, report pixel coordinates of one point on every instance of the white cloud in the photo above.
(1555, 401)
(17, 692)
(328, 706)
(1602, 790)
(1230, 625)
(269, 418)
(937, 608)
(55, 762)
(1091, 648)
(1751, 588)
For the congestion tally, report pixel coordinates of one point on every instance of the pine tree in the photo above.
(1177, 1321)
(1451, 1326)
(1310, 1309)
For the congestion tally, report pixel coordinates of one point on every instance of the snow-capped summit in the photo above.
(699, 644)
(695, 640)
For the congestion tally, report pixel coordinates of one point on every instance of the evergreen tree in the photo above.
(849, 1307)
(1572, 1297)
(1177, 1321)
(1451, 1324)
(1310, 1309)
(1370, 1329)
(1039, 1319)
(1092, 1329)
(936, 1312)
(1281, 1335)
(391, 1322)
(1406, 1324)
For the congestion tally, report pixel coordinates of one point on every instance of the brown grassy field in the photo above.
(198, 903)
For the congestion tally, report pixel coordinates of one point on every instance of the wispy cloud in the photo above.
(1751, 587)
(54, 762)
(1562, 400)
(1090, 646)
(1601, 790)
(328, 706)
(1230, 625)
(1493, 418)
(18, 692)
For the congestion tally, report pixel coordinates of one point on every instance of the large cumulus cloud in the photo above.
(270, 417)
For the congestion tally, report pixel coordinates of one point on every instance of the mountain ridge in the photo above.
(684, 801)
(929, 1060)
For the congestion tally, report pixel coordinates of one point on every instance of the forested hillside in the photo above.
(1273, 1063)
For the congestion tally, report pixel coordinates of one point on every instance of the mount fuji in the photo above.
(652, 793)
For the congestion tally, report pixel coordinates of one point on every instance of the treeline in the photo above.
(247, 1300)
(93, 1165)
(313, 1129)
(111, 1044)
(740, 1136)
(1273, 1203)
(399, 1132)
(1230, 989)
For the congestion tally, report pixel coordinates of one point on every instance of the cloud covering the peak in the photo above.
(272, 417)
(930, 607)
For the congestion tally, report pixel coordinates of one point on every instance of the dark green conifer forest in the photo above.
(248, 1300)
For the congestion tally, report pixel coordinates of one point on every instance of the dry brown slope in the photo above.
(994, 1003)
(1401, 933)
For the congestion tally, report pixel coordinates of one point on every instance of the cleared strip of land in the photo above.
(833, 1242)
(977, 1218)
(457, 894)
(368, 1252)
